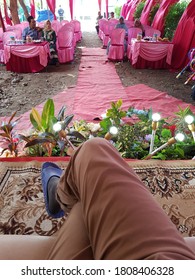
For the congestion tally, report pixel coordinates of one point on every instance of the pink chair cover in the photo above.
(151, 51)
(149, 31)
(106, 33)
(65, 45)
(77, 30)
(62, 22)
(116, 49)
(132, 33)
(55, 24)
(102, 22)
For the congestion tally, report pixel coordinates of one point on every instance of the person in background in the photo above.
(138, 24)
(111, 15)
(31, 31)
(49, 35)
(61, 13)
(97, 21)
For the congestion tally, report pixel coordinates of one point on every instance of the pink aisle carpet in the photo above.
(98, 85)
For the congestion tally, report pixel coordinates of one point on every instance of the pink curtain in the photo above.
(146, 11)
(71, 8)
(100, 5)
(2, 22)
(128, 7)
(130, 15)
(159, 19)
(52, 6)
(32, 8)
(7, 19)
(184, 38)
(106, 8)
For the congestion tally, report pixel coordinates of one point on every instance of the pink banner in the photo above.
(52, 6)
(184, 38)
(32, 8)
(7, 19)
(159, 19)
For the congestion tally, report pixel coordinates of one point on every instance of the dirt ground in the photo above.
(21, 92)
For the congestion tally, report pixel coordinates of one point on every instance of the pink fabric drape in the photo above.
(28, 51)
(159, 19)
(184, 38)
(71, 8)
(2, 22)
(128, 7)
(52, 6)
(151, 51)
(100, 5)
(130, 15)
(106, 8)
(32, 8)
(7, 19)
(146, 11)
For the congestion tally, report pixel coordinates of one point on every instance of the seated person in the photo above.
(111, 15)
(31, 30)
(49, 35)
(138, 24)
(97, 22)
(112, 214)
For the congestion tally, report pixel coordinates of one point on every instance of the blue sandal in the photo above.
(48, 171)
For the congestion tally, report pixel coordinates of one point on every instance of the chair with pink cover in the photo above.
(149, 31)
(101, 22)
(132, 33)
(63, 22)
(69, 27)
(65, 45)
(106, 34)
(55, 24)
(77, 29)
(116, 49)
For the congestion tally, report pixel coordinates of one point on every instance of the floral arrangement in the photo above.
(136, 134)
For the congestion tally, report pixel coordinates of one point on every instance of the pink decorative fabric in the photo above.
(28, 51)
(7, 19)
(77, 30)
(151, 51)
(55, 24)
(2, 60)
(159, 19)
(116, 49)
(130, 15)
(146, 11)
(102, 22)
(184, 38)
(52, 6)
(32, 8)
(71, 8)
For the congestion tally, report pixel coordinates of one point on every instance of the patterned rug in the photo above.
(22, 209)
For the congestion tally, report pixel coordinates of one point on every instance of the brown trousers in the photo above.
(113, 216)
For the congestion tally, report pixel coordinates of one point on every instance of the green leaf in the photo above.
(35, 119)
(47, 113)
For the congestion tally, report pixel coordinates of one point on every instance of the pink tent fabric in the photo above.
(52, 6)
(32, 8)
(106, 8)
(7, 19)
(128, 7)
(159, 19)
(184, 38)
(2, 22)
(146, 11)
(71, 8)
(100, 5)
(130, 15)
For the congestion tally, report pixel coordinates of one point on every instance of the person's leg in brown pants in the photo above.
(121, 218)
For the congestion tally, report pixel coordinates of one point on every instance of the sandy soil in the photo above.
(21, 92)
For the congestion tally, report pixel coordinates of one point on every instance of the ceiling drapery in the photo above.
(146, 11)
(7, 18)
(32, 8)
(52, 6)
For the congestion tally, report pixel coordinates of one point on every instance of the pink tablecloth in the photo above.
(26, 58)
(157, 53)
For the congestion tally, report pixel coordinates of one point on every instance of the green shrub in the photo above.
(139, 9)
(153, 12)
(117, 11)
(173, 17)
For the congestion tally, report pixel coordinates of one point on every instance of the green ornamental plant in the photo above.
(173, 17)
(139, 9)
(54, 135)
